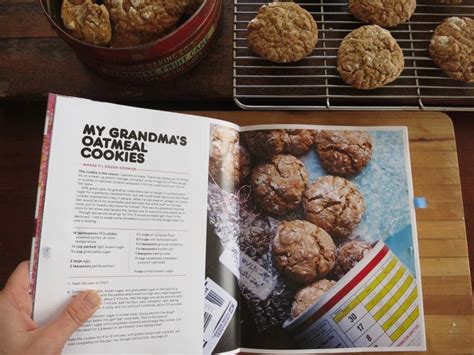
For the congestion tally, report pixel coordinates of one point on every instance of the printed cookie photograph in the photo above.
(309, 211)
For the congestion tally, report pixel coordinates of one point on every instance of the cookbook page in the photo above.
(324, 245)
(122, 210)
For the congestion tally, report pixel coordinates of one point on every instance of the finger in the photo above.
(76, 313)
(13, 318)
(28, 323)
(20, 278)
(17, 288)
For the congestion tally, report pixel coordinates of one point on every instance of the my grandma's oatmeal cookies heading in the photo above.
(122, 145)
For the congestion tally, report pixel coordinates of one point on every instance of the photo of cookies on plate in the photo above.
(317, 207)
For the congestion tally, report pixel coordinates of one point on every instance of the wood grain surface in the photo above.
(442, 233)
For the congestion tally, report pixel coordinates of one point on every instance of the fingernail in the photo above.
(92, 300)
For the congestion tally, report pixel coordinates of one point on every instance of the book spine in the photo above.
(43, 174)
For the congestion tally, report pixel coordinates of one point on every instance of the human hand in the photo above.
(20, 335)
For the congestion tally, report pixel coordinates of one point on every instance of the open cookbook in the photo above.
(205, 237)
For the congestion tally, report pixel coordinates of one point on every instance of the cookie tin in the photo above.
(166, 57)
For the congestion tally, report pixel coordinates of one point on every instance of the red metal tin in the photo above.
(167, 57)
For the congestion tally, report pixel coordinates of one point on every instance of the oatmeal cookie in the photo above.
(146, 16)
(229, 160)
(282, 32)
(87, 21)
(452, 48)
(344, 153)
(303, 252)
(278, 186)
(349, 254)
(298, 141)
(334, 204)
(369, 57)
(308, 296)
(267, 143)
(385, 13)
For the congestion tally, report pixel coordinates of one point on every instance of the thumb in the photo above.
(76, 313)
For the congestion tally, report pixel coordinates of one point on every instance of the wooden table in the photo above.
(34, 61)
(442, 236)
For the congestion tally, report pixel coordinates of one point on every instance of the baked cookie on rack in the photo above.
(334, 204)
(385, 13)
(282, 32)
(343, 153)
(452, 48)
(369, 57)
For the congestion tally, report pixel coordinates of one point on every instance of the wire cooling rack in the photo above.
(314, 83)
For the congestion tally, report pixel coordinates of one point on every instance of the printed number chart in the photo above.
(376, 306)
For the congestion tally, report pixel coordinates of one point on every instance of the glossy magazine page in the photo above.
(324, 243)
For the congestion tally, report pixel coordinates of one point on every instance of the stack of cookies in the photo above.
(368, 57)
(124, 23)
